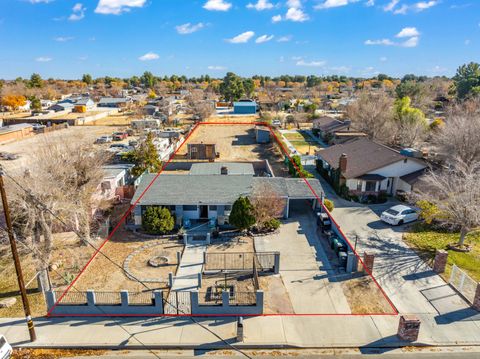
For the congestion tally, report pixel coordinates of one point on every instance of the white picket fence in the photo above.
(463, 283)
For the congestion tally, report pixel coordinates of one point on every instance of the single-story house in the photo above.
(344, 136)
(222, 168)
(201, 151)
(62, 106)
(245, 108)
(15, 132)
(84, 103)
(115, 102)
(325, 126)
(207, 197)
(366, 167)
(150, 110)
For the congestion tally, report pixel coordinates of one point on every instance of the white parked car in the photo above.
(104, 139)
(399, 214)
(5, 348)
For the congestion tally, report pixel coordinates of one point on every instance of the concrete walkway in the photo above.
(304, 268)
(190, 266)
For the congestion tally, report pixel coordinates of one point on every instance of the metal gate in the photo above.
(463, 283)
(177, 303)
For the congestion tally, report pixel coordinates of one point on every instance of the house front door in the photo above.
(390, 185)
(203, 212)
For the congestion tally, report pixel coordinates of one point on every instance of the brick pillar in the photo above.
(441, 257)
(408, 328)
(476, 299)
(368, 260)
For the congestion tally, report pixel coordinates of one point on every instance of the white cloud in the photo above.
(284, 38)
(40, 1)
(340, 69)
(263, 38)
(294, 3)
(311, 63)
(383, 59)
(277, 18)
(117, 7)
(438, 69)
(296, 15)
(408, 32)
(43, 59)
(411, 42)
(217, 68)
(189, 28)
(404, 8)
(260, 5)
(242, 38)
(63, 38)
(370, 3)
(149, 56)
(327, 4)
(78, 12)
(217, 5)
(384, 42)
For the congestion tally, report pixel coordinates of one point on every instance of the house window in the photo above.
(228, 208)
(193, 149)
(371, 186)
(359, 185)
(189, 208)
(213, 208)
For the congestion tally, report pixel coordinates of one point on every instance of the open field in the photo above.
(234, 118)
(426, 240)
(120, 119)
(237, 143)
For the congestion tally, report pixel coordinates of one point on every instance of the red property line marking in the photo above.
(395, 312)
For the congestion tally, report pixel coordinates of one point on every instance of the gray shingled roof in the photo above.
(211, 189)
(234, 168)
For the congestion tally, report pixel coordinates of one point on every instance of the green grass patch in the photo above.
(297, 136)
(426, 240)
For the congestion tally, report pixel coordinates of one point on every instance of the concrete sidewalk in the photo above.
(260, 332)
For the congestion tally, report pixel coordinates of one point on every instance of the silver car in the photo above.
(398, 215)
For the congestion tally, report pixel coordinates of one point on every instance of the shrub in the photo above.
(437, 124)
(272, 224)
(241, 215)
(329, 204)
(157, 220)
(382, 197)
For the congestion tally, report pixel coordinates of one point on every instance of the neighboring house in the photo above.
(150, 110)
(115, 178)
(164, 147)
(368, 168)
(15, 132)
(344, 136)
(201, 151)
(245, 108)
(145, 123)
(325, 126)
(46, 104)
(62, 106)
(84, 104)
(210, 197)
(114, 102)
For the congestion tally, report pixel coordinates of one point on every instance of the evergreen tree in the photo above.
(157, 220)
(241, 215)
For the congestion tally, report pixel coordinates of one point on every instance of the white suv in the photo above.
(5, 348)
(399, 214)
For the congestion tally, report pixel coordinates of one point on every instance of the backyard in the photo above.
(236, 143)
(302, 142)
(425, 240)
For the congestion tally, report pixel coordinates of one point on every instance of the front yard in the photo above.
(426, 240)
(302, 142)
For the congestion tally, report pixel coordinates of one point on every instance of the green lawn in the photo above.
(426, 240)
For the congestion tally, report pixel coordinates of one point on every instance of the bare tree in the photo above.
(456, 196)
(198, 105)
(267, 204)
(372, 114)
(459, 138)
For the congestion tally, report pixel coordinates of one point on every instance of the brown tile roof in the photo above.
(363, 156)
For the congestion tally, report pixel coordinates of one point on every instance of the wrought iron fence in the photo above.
(239, 261)
(140, 298)
(108, 298)
(463, 283)
(209, 297)
(72, 298)
(243, 298)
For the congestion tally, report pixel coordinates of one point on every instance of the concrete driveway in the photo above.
(304, 267)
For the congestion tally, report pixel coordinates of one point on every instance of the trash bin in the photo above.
(342, 256)
(340, 247)
(334, 242)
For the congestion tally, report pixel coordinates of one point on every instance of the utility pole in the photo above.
(16, 260)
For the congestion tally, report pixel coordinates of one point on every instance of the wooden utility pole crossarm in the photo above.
(16, 259)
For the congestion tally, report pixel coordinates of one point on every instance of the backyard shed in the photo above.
(245, 108)
(262, 134)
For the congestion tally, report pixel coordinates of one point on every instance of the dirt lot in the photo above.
(237, 244)
(237, 143)
(364, 296)
(120, 119)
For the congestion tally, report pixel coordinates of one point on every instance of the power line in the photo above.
(98, 250)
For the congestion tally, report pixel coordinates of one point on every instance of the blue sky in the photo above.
(66, 38)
